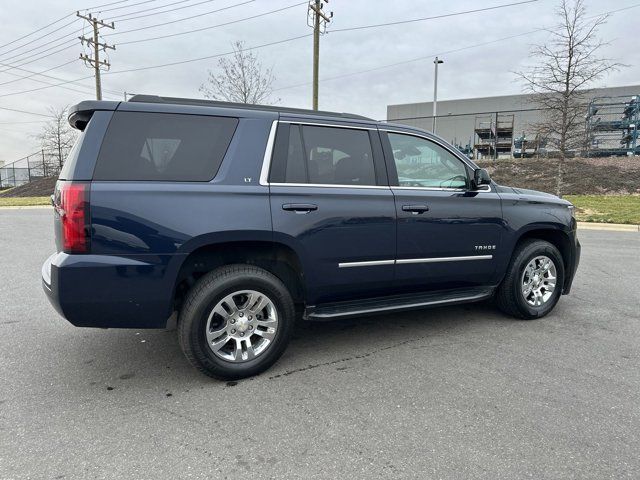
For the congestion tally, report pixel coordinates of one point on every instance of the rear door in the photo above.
(330, 201)
(448, 234)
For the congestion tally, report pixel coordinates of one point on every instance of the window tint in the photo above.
(72, 158)
(296, 171)
(161, 146)
(329, 155)
(422, 163)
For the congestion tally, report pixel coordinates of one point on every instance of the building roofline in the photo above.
(501, 96)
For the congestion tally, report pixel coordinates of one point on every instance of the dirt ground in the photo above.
(582, 176)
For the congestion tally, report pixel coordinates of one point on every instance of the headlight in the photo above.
(572, 209)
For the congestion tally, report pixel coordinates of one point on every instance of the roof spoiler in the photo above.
(81, 113)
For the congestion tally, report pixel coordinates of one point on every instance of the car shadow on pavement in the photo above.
(151, 359)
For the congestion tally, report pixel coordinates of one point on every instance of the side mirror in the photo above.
(480, 177)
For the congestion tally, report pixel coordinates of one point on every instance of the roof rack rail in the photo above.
(247, 106)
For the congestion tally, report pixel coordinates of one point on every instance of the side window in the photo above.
(329, 155)
(422, 163)
(163, 147)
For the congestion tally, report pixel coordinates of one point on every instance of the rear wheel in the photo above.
(533, 283)
(236, 322)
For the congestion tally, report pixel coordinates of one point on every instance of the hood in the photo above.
(535, 193)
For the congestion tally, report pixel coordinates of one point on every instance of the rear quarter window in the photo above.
(164, 147)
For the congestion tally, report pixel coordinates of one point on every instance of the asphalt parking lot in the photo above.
(450, 393)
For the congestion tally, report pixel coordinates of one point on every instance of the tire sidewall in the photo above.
(529, 253)
(206, 301)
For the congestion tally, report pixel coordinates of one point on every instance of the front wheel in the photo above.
(533, 283)
(236, 322)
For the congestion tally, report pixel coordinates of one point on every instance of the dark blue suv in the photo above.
(241, 219)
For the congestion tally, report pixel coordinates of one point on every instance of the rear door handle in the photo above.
(300, 207)
(415, 209)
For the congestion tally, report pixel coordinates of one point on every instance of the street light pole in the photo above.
(436, 62)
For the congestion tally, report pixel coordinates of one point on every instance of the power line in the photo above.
(403, 62)
(19, 56)
(35, 31)
(39, 30)
(15, 66)
(161, 66)
(401, 22)
(102, 5)
(213, 26)
(24, 111)
(127, 15)
(42, 74)
(125, 6)
(426, 57)
(304, 36)
(32, 74)
(39, 48)
(181, 19)
(45, 87)
(14, 49)
(208, 57)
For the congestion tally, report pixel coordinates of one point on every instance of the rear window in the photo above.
(72, 158)
(163, 147)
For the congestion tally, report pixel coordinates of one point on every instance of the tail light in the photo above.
(72, 204)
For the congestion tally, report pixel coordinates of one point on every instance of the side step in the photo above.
(396, 303)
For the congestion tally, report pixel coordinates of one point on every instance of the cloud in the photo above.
(482, 71)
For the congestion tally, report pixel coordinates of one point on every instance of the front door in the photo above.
(331, 203)
(448, 235)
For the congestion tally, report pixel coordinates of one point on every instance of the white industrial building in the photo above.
(471, 121)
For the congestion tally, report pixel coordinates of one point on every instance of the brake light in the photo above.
(73, 208)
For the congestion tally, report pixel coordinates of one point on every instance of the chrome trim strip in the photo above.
(384, 187)
(437, 189)
(366, 264)
(268, 153)
(444, 189)
(443, 259)
(333, 125)
(399, 307)
(401, 261)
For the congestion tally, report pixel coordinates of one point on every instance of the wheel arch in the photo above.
(558, 238)
(277, 258)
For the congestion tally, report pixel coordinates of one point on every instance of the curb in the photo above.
(611, 227)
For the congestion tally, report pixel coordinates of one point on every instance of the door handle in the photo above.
(415, 209)
(300, 207)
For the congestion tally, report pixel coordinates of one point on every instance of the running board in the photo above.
(332, 311)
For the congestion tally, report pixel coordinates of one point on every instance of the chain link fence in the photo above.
(32, 167)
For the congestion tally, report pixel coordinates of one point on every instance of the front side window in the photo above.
(329, 156)
(423, 163)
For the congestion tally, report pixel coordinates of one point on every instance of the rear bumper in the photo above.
(107, 291)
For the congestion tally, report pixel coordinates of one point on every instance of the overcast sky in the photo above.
(481, 71)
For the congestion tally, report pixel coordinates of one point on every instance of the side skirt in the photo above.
(396, 303)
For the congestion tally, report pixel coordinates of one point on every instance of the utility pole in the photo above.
(437, 62)
(95, 62)
(318, 21)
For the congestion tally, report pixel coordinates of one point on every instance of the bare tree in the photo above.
(57, 137)
(242, 79)
(567, 66)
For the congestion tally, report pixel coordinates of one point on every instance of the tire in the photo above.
(206, 313)
(511, 296)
